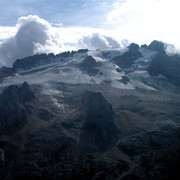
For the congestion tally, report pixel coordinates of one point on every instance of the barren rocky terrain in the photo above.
(118, 120)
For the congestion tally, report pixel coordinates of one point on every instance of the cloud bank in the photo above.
(98, 41)
(34, 35)
(142, 21)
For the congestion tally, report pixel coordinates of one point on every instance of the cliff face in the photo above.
(126, 59)
(5, 72)
(89, 66)
(43, 59)
(167, 66)
(12, 107)
(99, 131)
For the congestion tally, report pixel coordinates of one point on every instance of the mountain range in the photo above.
(105, 114)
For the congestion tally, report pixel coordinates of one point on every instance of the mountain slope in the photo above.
(103, 114)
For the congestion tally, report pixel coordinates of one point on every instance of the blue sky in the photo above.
(68, 12)
(136, 20)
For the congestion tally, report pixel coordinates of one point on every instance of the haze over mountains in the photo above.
(135, 67)
(106, 114)
(34, 35)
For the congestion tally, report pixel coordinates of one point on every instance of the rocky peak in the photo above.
(42, 59)
(99, 130)
(5, 72)
(144, 46)
(15, 93)
(89, 61)
(89, 65)
(167, 66)
(82, 51)
(126, 59)
(133, 47)
(156, 46)
(97, 105)
(13, 113)
(26, 92)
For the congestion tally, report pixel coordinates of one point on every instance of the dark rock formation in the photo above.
(125, 80)
(151, 141)
(99, 130)
(45, 114)
(144, 46)
(5, 72)
(90, 66)
(156, 46)
(126, 59)
(133, 47)
(118, 70)
(161, 165)
(132, 177)
(166, 65)
(42, 59)
(26, 93)
(14, 93)
(3, 143)
(12, 107)
(32, 61)
(112, 171)
(106, 54)
(82, 51)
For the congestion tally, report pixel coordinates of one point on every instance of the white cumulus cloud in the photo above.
(98, 41)
(142, 21)
(34, 35)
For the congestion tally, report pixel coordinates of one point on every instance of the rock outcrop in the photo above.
(126, 59)
(13, 113)
(144, 46)
(156, 46)
(167, 66)
(5, 72)
(90, 66)
(99, 130)
(42, 59)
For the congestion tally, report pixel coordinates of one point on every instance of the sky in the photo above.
(43, 26)
(54, 11)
